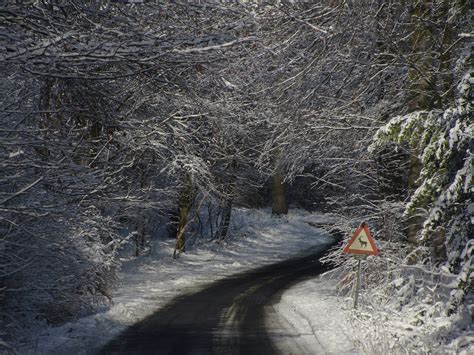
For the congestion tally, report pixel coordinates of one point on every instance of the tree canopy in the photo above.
(118, 118)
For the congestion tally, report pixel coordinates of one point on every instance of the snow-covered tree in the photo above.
(102, 121)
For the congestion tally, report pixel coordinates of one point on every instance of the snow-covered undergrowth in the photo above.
(402, 310)
(149, 282)
(408, 314)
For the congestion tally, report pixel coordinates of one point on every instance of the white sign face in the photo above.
(361, 242)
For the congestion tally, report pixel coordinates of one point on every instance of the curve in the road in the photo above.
(225, 318)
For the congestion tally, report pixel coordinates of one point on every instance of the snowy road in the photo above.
(228, 317)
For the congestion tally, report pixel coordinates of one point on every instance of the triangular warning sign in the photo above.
(361, 242)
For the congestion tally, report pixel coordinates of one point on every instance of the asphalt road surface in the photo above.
(228, 317)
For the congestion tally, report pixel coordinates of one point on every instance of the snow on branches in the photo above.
(443, 143)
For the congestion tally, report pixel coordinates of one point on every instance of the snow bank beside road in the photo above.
(311, 308)
(148, 283)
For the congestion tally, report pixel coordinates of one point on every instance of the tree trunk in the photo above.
(446, 76)
(45, 105)
(225, 221)
(420, 72)
(279, 205)
(422, 91)
(140, 236)
(185, 202)
(180, 235)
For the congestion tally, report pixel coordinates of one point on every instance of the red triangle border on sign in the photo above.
(362, 227)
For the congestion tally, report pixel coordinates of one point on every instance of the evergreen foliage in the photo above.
(444, 140)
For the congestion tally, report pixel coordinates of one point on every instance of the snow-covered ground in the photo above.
(407, 319)
(148, 283)
(381, 325)
(328, 324)
(313, 312)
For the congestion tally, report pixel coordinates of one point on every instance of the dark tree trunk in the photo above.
(225, 221)
(279, 205)
(422, 91)
(420, 73)
(185, 201)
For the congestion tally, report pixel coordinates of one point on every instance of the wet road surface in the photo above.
(227, 317)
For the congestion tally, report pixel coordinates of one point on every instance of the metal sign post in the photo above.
(360, 245)
(357, 283)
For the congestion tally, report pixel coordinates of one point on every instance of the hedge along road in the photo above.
(227, 317)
